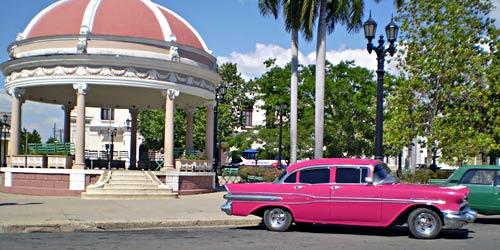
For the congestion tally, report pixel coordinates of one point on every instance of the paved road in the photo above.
(483, 235)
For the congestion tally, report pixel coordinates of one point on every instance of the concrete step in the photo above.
(128, 196)
(130, 186)
(128, 173)
(130, 182)
(128, 191)
(128, 177)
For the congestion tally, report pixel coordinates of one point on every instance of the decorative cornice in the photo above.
(81, 88)
(170, 93)
(129, 72)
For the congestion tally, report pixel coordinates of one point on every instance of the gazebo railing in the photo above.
(51, 148)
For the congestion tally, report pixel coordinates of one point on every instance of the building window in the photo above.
(247, 117)
(107, 114)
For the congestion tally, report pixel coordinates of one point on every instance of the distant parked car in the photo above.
(483, 182)
(350, 192)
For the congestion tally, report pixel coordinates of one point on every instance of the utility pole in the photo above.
(54, 131)
(60, 135)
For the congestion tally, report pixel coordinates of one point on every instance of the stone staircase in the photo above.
(120, 184)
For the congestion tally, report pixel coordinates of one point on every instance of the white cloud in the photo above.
(251, 64)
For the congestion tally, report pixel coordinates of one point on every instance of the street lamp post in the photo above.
(3, 136)
(280, 108)
(370, 26)
(112, 134)
(220, 92)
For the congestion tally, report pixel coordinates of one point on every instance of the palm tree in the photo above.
(291, 12)
(331, 13)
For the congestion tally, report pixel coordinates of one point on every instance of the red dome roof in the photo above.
(132, 18)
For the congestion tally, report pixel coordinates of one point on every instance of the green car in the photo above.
(484, 185)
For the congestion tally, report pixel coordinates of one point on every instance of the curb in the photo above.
(67, 226)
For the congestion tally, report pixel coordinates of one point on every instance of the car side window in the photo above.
(478, 177)
(315, 176)
(497, 182)
(348, 175)
(291, 178)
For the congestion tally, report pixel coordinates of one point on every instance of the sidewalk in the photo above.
(23, 213)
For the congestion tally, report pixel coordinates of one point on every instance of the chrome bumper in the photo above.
(227, 208)
(456, 220)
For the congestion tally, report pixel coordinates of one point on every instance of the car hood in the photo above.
(432, 192)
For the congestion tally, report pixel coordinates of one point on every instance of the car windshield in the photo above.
(282, 174)
(381, 175)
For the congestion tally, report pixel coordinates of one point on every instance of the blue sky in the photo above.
(226, 25)
(233, 29)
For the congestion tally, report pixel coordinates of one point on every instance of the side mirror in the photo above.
(369, 180)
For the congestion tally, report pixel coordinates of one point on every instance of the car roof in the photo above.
(480, 166)
(332, 161)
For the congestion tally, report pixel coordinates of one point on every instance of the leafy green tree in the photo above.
(239, 97)
(329, 13)
(349, 108)
(29, 137)
(349, 112)
(293, 23)
(273, 89)
(448, 90)
(52, 140)
(151, 127)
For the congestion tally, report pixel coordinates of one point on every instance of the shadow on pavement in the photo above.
(369, 231)
(19, 204)
(487, 221)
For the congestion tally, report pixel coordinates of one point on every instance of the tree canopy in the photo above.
(449, 96)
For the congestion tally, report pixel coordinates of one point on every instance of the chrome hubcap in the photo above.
(425, 223)
(277, 218)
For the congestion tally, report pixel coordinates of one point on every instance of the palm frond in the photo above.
(308, 15)
(269, 7)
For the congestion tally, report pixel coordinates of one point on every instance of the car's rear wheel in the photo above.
(424, 223)
(277, 219)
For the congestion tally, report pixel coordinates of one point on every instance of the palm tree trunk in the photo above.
(293, 96)
(319, 109)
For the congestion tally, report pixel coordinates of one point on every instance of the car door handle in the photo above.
(335, 187)
(298, 187)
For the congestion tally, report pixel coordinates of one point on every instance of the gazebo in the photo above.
(124, 54)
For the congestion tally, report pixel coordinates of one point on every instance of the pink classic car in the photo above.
(349, 192)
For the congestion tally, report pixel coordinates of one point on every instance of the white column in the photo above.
(133, 138)
(81, 91)
(67, 123)
(189, 128)
(168, 149)
(209, 141)
(15, 126)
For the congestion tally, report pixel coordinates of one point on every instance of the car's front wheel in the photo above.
(424, 223)
(277, 219)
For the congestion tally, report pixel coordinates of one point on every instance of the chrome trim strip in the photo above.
(227, 208)
(276, 196)
(244, 197)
